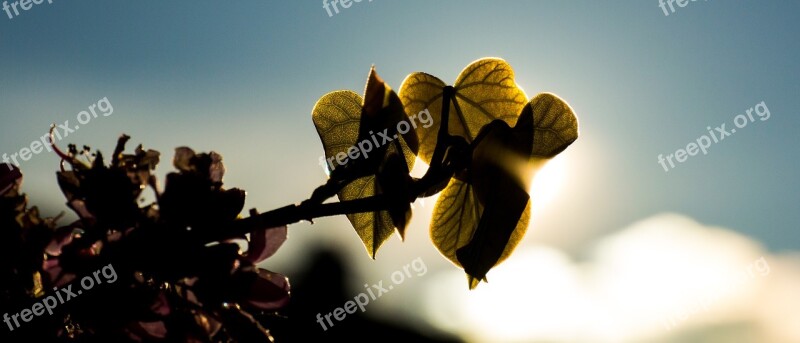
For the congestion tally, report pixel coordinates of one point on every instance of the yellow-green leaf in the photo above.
(485, 91)
(555, 124)
(504, 161)
(339, 120)
(374, 228)
(337, 117)
(455, 219)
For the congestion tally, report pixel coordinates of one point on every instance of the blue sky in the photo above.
(241, 79)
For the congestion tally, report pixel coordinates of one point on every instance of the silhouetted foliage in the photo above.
(182, 276)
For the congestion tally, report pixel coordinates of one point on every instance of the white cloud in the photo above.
(666, 278)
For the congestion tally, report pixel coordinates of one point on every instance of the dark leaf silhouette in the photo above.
(180, 274)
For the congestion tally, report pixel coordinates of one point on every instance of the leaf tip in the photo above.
(473, 282)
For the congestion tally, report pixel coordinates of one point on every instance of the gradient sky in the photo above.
(242, 77)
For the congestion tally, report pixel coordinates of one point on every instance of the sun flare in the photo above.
(548, 181)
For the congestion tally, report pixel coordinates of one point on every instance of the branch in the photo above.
(291, 214)
(451, 154)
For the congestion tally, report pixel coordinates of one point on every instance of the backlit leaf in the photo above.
(455, 219)
(485, 91)
(337, 116)
(556, 125)
(345, 122)
(374, 228)
(481, 219)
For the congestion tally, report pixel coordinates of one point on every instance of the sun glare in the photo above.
(548, 181)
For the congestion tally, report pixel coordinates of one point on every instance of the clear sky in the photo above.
(242, 77)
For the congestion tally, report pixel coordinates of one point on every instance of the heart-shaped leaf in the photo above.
(485, 91)
(360, 135)
(479, 221)
(455, 220)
